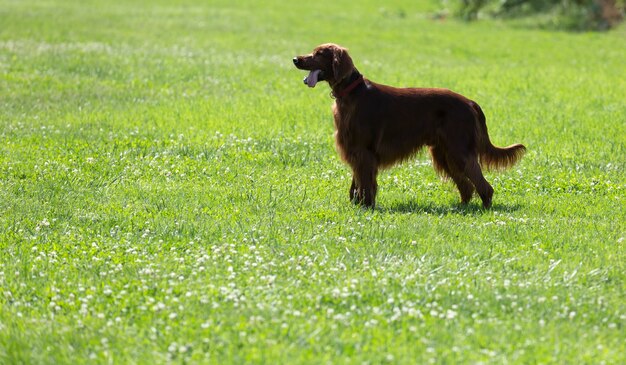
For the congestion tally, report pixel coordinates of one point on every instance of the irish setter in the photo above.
(378, 126)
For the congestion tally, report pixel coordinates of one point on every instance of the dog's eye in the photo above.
(321, 52)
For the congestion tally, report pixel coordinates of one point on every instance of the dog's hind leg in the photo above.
(475, 175)
(441, 165)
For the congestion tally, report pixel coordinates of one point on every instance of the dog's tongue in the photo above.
(311, 79)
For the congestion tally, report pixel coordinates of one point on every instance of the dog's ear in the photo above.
(342, 63)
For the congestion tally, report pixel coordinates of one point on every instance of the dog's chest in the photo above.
(342, 116)
(347, 135)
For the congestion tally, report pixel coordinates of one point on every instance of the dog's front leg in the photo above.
(364, 186)
(353, 192)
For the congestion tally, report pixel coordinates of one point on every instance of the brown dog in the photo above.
(378, 126)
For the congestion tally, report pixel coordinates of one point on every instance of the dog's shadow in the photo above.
(458, 209)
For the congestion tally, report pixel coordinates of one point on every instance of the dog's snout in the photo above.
(296, 60)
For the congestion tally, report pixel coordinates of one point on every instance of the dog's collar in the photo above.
(348, 89)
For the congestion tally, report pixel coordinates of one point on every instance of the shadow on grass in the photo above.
(460, 209)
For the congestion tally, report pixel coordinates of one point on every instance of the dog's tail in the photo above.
(492, 157)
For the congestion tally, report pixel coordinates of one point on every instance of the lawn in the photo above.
(170, 191)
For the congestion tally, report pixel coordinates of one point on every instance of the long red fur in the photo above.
(378, 126)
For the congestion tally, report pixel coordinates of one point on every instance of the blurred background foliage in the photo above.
(575, 15)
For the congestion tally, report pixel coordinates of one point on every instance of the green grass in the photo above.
(170, 192)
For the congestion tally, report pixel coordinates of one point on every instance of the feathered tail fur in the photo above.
(492, 157)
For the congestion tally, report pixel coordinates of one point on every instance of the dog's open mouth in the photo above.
(313, 78)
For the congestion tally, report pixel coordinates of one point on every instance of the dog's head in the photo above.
(328, 62)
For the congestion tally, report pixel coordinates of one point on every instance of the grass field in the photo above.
(170, 192)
